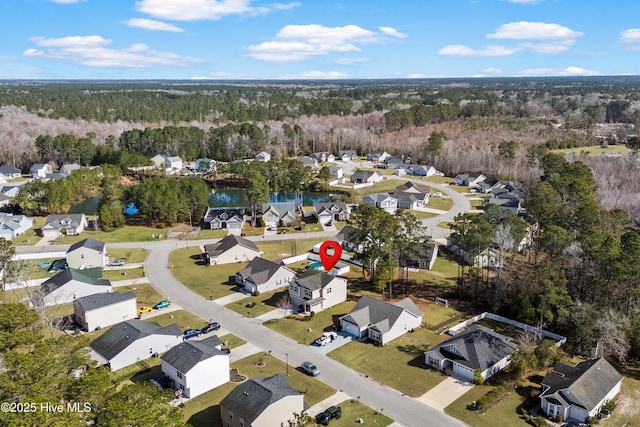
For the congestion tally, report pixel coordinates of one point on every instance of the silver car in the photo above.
(310, 368)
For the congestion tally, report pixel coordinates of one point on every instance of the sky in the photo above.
(317, 39)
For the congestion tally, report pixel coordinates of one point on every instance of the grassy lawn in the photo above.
(439, 179)
(627, 412)
(384, 186)
(298, 330)
(444, 272)
(128, 233)
(147, 295)
(445, 224)
(206, 280)
(29, 268)
(262, 303)
(423, 215)
(352, 410)
(277, 249)
(594, 150)
(31, 236)
(212, 234)
(477, 204)
(130, 256)
(460, 188)
(441, 203)
(399, 364)
(183, 318)
(126, 274)
(437, 314)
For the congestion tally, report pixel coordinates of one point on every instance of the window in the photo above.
(82, 256)
(230, 415)
(308, 293)
(328, 290)
(179, 374)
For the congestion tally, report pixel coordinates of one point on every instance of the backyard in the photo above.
(254, 306)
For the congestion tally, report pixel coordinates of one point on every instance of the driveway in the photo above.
(342, 339)
(445, 393)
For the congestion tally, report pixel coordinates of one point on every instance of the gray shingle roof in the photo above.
(92, 276)
(314, 280)
(477, 347)
(63, 220)
(348, 233)
(122, 335)
(9, 170)
(411, 187)
(185, 356)
(381, 314)
(583, 385)
(227, 243)
(96, 245)
(259, 270)
(332, 207)
(250, 399)
(91, 302)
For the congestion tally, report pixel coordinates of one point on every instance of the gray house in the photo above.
(476, 348)
(381, 321)
(64, 224)
(348, 155)
(364, 177)
(10, 172)
(348, 239)
(383, 201)
(71, 284)
(331, 211)
(261, 402)
(261, 275)
(577, 392)
(316, 290)
(426, 256)
(231, 249)
(87, 253)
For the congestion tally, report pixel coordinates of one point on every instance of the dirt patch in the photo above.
(627, 405)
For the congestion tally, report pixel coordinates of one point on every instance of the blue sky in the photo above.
(323, 39)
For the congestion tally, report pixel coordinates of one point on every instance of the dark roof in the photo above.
(96, 245)
(348, 233)
(477, 347)
(91, 302)
(259, 270)
(381, 314)
(185, 356)
(409, 197)
(330, 207)
(314, 279)
(251, 398)
(227, 243)
(362, 174)
(583, 385)
(9, 170)
(122, 335)
(224, 213)
(92, 276)
(411, 187)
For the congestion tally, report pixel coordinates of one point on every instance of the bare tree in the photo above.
(284, 303)
(611, 328)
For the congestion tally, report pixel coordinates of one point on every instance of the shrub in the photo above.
(591, 421)
(493, 395)
(477, 377)
(608, 407)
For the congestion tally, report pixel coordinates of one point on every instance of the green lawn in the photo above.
(353, 410)
(477, 204)
(31, 236)
(384, 186)
(444, 272)
(212, 234)
(209, 281)
(128, 233)
(286, 248)
(593, 150)
(438, 314)
(123, 274)
(627, 413)
(423, 215)
(399, 364)
(147, 295)
(445, 224)
(183, 318)
(29, 269)
(130, 256)
(441, 203)
(254, 306)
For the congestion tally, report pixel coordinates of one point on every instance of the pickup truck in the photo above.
(329, 414)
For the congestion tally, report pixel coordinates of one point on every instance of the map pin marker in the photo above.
(329, 261)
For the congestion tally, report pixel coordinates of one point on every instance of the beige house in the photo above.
(105, 309)
(87, 253)
(261, 402)
(316, 291)
(64, 224)
(231, 249)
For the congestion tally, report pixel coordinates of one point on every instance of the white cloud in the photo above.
(550, 47)
(524, 30)
(301, 42)
(390, 31)
(150, 24)
(347, 61)
(459, 50)
(492, 70)
(416, 76)
(203, 10)
(219, 75)
(317, 75)
(91, 51)
(631, 37)
(560, 72)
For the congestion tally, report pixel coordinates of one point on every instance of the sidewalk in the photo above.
(236, 296)
(333, 400)
(273, 314)
(245, 350)
(130, 282)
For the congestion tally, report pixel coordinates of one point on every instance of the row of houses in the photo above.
(406, 196)
(507, 195)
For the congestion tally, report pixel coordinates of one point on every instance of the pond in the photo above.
(88, 207)
(235, 197)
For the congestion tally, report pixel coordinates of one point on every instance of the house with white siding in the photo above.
(12, 226)
(64, 224)
(316, 291)
(231, 249)
(97, 311)
(87, 253)
(71, 284)
(261, 275)
(383, 201)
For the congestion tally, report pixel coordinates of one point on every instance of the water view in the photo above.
(229, 197)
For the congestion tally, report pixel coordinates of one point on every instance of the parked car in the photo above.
(329, 414)
(162, 304)
(116, 263)
(310, 368)
(145, 309)
(213, 326)
(58, 265)
(191, 333)
(326, 338)
(329, 223)
(226, 350)
(44, 264)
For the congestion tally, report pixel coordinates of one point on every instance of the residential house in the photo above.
(195, 367)
(132, 341)
(204, 165)
(323, 156)
(425, 257)
(231, 249)
(97, 311)
(507, 202)
(348, 156)
(316, 291)
(10, 190)
(408, 200)
(87, 253)
(231, 219)
(479, 256)
(331, 211)
(422, 170)
(394, 162)
(363, 177)
(68, 168)
(412, 187)
(377, 157)
(4, 199)
(470, 178)
(476, 348)
(263, 156)
(348, 239)
(71, 284)
(383, 201)
(55, 176)
(277, 214)
(64, 224)
(381, 321)
(489, 185)
(261, 402)
(173, 164)
(336, 172)
(270, 217)
(577, 392)
(261, 275)
(12, 226)
(40, 170)
(10, 172)
(158, 160)
(308, 161)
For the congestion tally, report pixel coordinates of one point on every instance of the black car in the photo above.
(329, 414)
(213, 326)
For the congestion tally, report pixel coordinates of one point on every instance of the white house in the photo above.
(105, 309)
(64, 224)
(476, 348)
(263, 156)
(410, 200)
(132, 341)
(10, 172)
(231, 249)
(331, 211)
(195, 367)
(383, 201)
(426, 256)
(68, 168)
(470, 178)
(422, 170)
(261, 275)
(11, 226)
(336, 172)
(348, 155)
(87, 253)
(309, 161)
(381, 321)
(204, 165)
(71, 284)
(577, 392)
(173, 164)
(40, 170)
(377, 156)
(261, 402)
(316, 291)
(365, 177)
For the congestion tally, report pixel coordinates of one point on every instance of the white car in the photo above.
(326, 338)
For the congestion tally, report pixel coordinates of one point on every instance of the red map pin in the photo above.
(329, 261)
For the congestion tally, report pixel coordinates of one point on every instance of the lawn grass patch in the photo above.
(123, 274)
(422, 214)
(398, 364)
(254, 306)
(595, 150)
(128, 233)
(442, 180)
(145, 293)
(212, 234)
(353, 410)
(440, 203)
(438, 314)
(183, 318)
(232, 341)
(627, 410)
(384, 186)
(129, 255)
(32, 235)
(276, 249)
(209, 281)
(29, 270)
